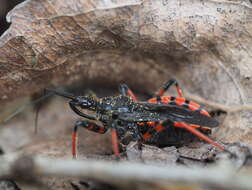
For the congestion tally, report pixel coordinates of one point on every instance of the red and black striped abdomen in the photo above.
(180, 101)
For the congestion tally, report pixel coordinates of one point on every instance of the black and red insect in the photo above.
(125, 116)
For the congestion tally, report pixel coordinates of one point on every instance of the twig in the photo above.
(124, 174)
(245, 107)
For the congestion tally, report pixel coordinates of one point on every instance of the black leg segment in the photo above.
(167, 85)
(125, 91)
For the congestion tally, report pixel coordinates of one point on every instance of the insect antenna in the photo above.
(38, 107)
(47, 93)
(22, 108)
(61, 93)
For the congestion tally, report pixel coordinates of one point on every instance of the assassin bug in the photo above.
(124, 114)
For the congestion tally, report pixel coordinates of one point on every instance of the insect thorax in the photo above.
(116, 104)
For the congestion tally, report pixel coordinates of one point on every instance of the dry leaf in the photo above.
(205, 45)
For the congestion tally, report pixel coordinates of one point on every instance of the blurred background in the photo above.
(5, 7)
(59, 135)
(203, 71)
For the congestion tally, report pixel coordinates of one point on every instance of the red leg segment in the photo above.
(192, 128)
(132, 95)
(74, 143)
(199, 134)
(115, 142)
(155, 129)
(179, 101)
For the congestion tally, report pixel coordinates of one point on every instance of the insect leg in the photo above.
(125, 91)
(156, 129)
(200, 127)
(166, 86)
(198, 134)
(115, 138)
(88, 125)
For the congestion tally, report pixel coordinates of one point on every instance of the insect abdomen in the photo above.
(179, 101)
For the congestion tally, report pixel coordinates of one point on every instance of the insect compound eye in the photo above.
(85, 102)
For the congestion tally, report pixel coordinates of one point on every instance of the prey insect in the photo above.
(125, 116)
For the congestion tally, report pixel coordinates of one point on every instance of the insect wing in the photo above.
(181, 114)
(140, 117)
